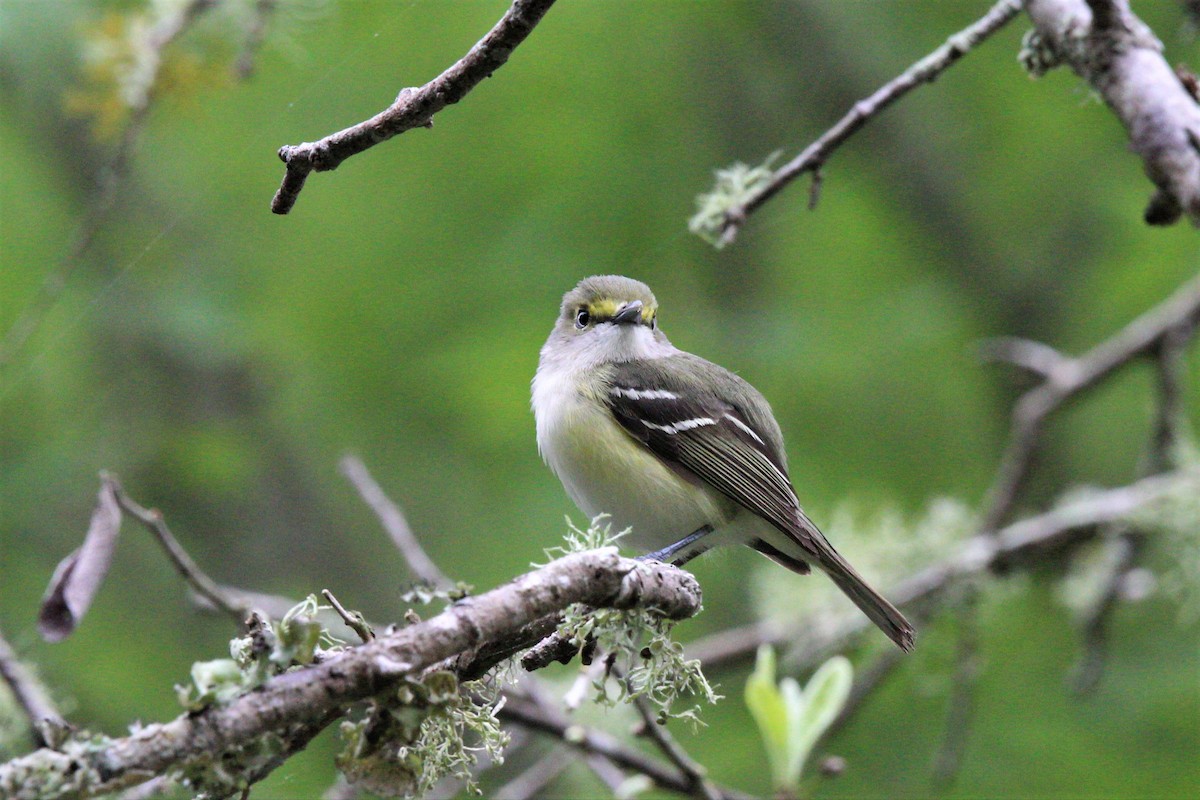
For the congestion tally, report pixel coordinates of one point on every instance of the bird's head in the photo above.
(609, 318)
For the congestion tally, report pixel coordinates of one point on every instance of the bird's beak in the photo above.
(630, 313)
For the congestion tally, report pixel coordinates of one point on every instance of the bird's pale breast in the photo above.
(604, 470)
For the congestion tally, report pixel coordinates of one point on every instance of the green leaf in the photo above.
(796, 705)
(826, 695)
(791, 720)
(767, 706)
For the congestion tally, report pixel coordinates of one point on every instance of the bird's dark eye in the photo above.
(582, 318)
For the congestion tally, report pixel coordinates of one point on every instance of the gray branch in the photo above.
(813, 157)
(600, 578)
(1063, 526)
(393, 521)
(1106, 44)
(414, 108)
(30, 695)
(1068, 377)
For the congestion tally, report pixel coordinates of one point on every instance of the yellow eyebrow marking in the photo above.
(602, 309)
(607, 308)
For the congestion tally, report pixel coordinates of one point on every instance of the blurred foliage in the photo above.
(221, 359)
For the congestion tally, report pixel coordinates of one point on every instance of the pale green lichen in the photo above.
(640, 640)
(427, 730)
(1172, 525)
(49, 774)
(734, 186)
(1037, 55)
(269, 648)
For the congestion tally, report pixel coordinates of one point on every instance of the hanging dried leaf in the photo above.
(78, 576)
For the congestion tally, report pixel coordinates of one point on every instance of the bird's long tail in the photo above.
(872, 603)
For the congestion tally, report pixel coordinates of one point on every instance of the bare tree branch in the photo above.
(1072, 376)
(414, 108)
(29, 693)
(813, 157)
(152, 520)
(700, 786)
(1106, 44)
(600, 578)
(393, 521)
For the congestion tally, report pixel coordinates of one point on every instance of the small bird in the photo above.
(680, 450)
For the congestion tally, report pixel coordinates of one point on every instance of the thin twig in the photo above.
(354, 620)
(593, 741)
(393, 521)
(1142, 336)
(1171, 419)
(273, 605)
(536, 777)
(813, 157)
(153, 521)
(414, 108)
(256, 34)
(590, 740)
(1161, 455)
(692, 772)
(606, 771)
(1036, 357)
(961, 708)
(30, 695)
(1089, 667)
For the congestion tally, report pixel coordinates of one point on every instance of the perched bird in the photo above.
(680, 450)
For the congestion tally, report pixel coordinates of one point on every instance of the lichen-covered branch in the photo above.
(414, 107)
(600, 578)
(1106, 44)
(1021, 542)
(721, 226)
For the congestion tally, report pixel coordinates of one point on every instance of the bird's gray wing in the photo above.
(679, 415)
(690, 415)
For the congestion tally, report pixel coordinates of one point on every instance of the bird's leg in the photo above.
(668, 553)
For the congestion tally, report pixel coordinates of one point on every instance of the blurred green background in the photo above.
(221, 359)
